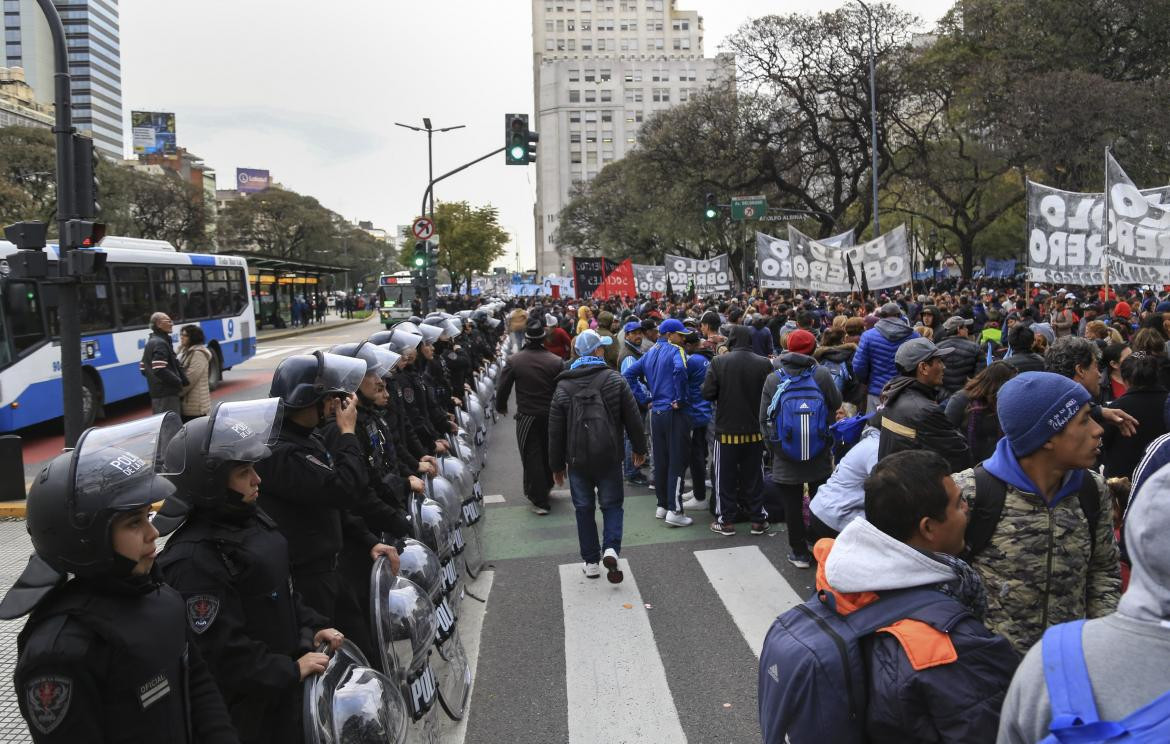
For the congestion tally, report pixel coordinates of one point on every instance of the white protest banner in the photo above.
(816, 266)
(649, 279)
(1066, 229)
(1139, 231)
(772, 253)
(709, 275)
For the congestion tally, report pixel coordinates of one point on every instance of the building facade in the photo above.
(19, 106)
(600, 68)
(95, 62)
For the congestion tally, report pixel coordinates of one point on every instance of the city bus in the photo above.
(396, 293)
(140, 277)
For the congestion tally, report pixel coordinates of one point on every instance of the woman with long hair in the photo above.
(1145, 400)
(1113, 386)
(972, 409)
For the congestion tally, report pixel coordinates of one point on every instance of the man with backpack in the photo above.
(1041, 528)
(912, 417)
(590, 409)
(891, 647)
(1100, 679)
(734, 381)
(798, 404)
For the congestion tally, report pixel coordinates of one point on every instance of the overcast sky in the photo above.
(311, 90)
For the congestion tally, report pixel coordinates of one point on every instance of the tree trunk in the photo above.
(967, 251)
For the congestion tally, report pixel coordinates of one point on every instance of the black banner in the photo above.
(588, 274)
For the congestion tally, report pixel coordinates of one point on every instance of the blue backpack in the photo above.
(798, 417)
(840, 372)
(813, 684)
(1070, 695)
(847, 432)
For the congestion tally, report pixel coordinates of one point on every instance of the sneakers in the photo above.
(760, 528)
(659, 513)
(690, 502)
(592, 570)
(612, 572)
(541, 510)
(678, 519)
(803, 560)
(638, 480)
(723, 529)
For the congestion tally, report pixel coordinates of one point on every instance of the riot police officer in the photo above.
(104, 656)
(231, 565)
(310, 487)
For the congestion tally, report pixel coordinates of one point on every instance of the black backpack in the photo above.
(990, 494)
(592, 443)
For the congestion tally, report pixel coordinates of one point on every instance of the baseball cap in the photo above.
(633, 325)
(670, 325)
(587, 342)
(956, 321)
(916, 351)
(890, 310)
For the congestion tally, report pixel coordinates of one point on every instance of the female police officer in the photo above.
(231, 565)
(104, 656)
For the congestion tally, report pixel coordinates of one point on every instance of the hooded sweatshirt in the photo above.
(874, 361)
(1126, 652)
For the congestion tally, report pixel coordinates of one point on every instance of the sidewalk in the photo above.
(331, 321)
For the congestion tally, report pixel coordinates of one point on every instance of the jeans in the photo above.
(609, 496)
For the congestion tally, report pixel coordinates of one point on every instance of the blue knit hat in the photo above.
(1034, 407)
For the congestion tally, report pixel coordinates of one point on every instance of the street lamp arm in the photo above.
(448, 174)
(408, 126)
(448, 129)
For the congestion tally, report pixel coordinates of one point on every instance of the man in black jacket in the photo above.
(735, 381)
(960, 365)
(589, 371)
(534, 371)
(164, 375)
(912, 417)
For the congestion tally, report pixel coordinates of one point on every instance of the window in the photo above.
(548, 26)
(218, 291)
(590, 76)
(629, 24)
(654, 25)
(560, 45)
(132, 289)
(661, 76)
(574, 76)
(586, 6)
(575, 138)
(606, 96)
(658, 44)
(684, 94)
(605, 75)
(572, 45)
(22, 305)
(633, 95)
(575, 157)
(574, 117)
(601, 45)
(590, 117)
(572, 24)
(574, 96)
(591, 139)
(683, 43)
(629, 45)
(607, 116)
(586, 25)
(165, 285)
(550, 45)
(630, 140)
(633, 76)
(586, 45)
(590, 96)
(681, 25)
(662, 95)
(561, 26)
(194, 298)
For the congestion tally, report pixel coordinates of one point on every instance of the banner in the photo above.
(804, 263)
(649, 279)
(709, 275)
(997, 268)
(618, 283)
(152, 132)
(1139, 231)
(1065, 232)
(588, 274)
(252, 180)
(769, 257)
(559, 286)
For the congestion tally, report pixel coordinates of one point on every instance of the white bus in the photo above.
(140, 278)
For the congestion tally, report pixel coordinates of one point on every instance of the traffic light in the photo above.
(85, 180)
(31, 262)
(420, 255)
(532, 138)
(711, 210)
(516, 139)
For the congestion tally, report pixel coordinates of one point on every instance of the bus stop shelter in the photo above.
(276, 282)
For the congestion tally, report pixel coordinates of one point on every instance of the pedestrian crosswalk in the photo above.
(669, 656)
(267, 352)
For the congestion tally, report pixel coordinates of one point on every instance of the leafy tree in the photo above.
(28, 175)
(280, 223)
(156, 207)
(470, 238)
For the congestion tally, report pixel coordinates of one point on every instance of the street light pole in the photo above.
(426, 127)
(877, 230)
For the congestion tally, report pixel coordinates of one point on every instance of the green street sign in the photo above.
(748, 207)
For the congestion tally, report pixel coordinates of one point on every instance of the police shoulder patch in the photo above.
(408, 394)
(48, 698)
(201, 611)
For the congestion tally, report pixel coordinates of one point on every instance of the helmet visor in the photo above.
(383, 361)
(241, 431)
(430, 333)
(115, 466)
(408, 327)
(403, 340)
(339, 374)
(453, 328)
(391, 359)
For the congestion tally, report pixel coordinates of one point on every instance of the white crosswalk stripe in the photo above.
(615, 682)
(751, 589)
(266, 352)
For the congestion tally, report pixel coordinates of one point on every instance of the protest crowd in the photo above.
(973, 470)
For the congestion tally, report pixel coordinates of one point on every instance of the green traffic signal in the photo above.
(711, 210)
(516, 137)
(711, 213)
(419, 260)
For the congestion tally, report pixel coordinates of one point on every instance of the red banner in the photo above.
(618, 283)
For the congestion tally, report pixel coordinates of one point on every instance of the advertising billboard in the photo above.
(251, 180)
(153, 132)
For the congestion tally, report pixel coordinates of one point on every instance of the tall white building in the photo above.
(600, 67)
(95, 62)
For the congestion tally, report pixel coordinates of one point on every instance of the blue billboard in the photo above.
(251, 180)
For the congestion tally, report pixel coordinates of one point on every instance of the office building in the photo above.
(600, 67)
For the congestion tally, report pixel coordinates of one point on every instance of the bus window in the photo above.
(97, 309)
(132, 288)
(23, 307)
(218, 292)
(194, 298)
(165, 286)
(239, 291)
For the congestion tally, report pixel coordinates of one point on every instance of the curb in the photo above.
(302, 331)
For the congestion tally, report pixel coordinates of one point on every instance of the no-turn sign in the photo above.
(423, 228)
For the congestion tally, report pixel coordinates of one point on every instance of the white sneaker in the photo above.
(659, 513)
(689, 503)
(592, 570)
(612, 572)
(678, 519)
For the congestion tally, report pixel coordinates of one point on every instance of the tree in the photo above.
(280, 223)
(156, 207)
(470, 239)
(28, 175)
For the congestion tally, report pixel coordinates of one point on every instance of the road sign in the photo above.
(423, 228)
(783, 217)
(748, 207)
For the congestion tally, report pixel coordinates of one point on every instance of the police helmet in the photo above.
(381, 338)
(303, 380)
(378, 361)
(74, 499)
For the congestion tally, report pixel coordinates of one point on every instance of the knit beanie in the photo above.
(1033, 407)
(801, 341)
